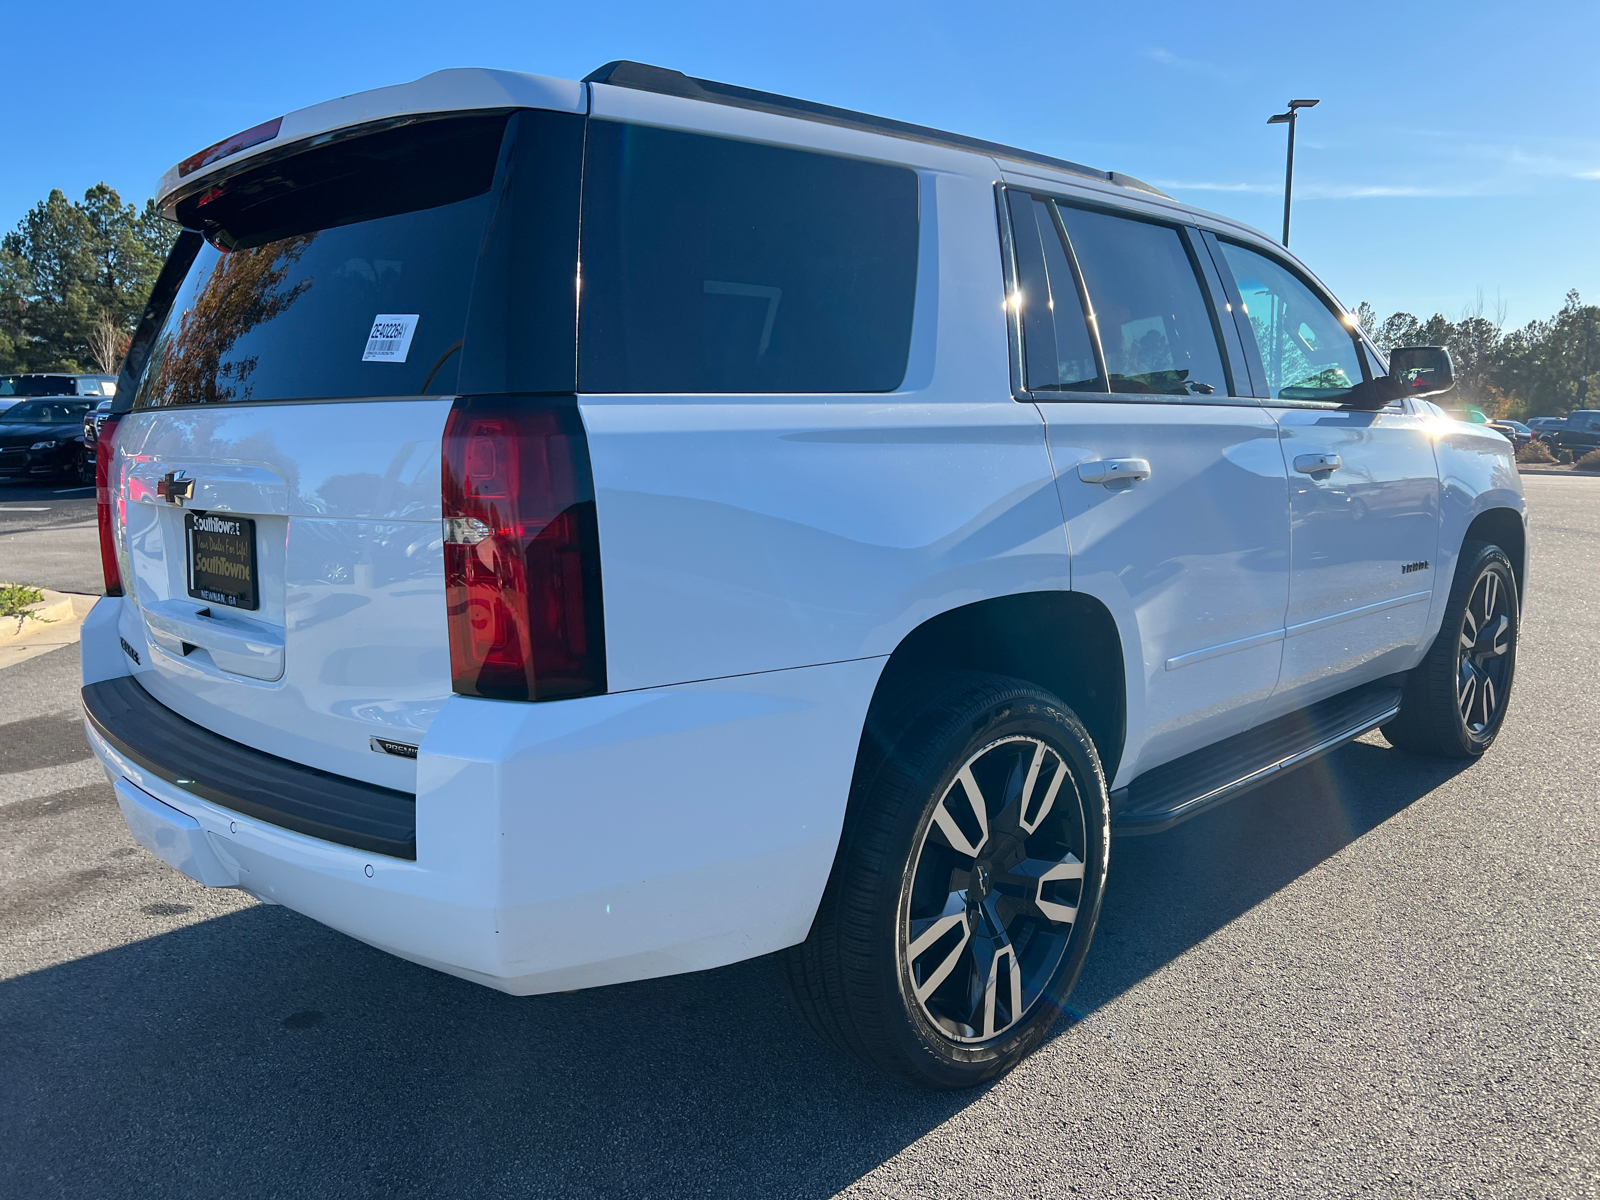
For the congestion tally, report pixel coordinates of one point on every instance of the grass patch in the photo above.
(1590, 461)
(15, 599)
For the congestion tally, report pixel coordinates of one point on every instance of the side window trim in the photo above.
(1011, 271)
(1244, 336)
(1339, 314)
(1084, 299)
(1008, 272)
(1205, 272)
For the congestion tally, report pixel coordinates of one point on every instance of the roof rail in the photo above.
(645, 78)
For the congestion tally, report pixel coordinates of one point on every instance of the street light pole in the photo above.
(1289, 118)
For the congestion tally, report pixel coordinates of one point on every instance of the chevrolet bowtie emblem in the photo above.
(175, 487)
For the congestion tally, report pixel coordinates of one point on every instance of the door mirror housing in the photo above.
(1420, 371)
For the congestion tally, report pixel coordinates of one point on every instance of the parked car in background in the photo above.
(47, 383)
(44, 439)
(1541, 426)
(823, 579)
(93, 422)
(1472, 416)
(1519, 433)
(1579, 433)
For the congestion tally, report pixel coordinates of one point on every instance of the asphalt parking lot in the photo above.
(1376, 977)
(48, 537)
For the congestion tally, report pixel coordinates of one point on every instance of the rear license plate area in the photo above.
(222, 559)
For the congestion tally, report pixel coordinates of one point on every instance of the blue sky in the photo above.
(1456, 150)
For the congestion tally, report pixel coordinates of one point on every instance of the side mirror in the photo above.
(1422, 370)
(1413, 371)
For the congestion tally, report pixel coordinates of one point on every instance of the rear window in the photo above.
(714, 265)
(38, 385)
(341, 271)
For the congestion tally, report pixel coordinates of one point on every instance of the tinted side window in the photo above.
(1307, 351)
(1155, 324)
(713, 265)
(1056, 351)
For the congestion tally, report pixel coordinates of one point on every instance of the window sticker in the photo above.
(390, 339)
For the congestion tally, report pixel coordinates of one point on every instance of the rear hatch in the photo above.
(280, 534)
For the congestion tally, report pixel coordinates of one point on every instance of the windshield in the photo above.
(341, 271)
(37, 385)
(46, 412)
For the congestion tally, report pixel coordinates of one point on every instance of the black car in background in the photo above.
(1543, 426)
(14, 388)
(44, 439)
(1518, 433)
(1580, 433)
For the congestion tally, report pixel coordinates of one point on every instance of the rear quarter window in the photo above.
(715, 265)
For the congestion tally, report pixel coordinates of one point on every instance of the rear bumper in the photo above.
(569, 844)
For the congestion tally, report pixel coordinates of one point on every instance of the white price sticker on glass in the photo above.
(390, 339)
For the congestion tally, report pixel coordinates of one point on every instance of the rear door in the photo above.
(280, 465)
(1364, 490)
(1170, 480)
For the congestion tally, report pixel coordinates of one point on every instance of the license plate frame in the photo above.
(220, 557)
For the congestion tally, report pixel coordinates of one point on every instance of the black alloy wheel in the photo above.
(1483, 657)
(1455, 699)
(995, 888)
(967, 885)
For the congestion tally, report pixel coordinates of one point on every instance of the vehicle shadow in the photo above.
(262, 1054)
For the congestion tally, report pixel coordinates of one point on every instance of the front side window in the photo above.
(1308, 353)
(715, 265)
(1056, 351)
(1155, 325)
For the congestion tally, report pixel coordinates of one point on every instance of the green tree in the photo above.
(74, 277)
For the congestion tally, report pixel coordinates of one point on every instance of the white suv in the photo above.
(565, 533)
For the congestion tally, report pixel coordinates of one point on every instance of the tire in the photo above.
(1455, 699)
(964, 896)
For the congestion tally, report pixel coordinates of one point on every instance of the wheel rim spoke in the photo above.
(975, 803)
(1028, 880)
(930, 938)
(1042, 810)
(995, 995)
(1467, 693)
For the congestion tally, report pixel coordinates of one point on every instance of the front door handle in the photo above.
(1113, 471)
(1317, 464)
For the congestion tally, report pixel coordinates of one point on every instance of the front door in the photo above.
(1363, 494)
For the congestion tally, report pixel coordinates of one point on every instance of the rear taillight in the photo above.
(521, 551)
(105, 451)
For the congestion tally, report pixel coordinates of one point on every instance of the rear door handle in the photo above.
(1316, 464)
(1114, 470)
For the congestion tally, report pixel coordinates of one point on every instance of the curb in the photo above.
(65, 612)
(54, 608)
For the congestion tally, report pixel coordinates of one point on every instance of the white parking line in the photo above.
(5, 508)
